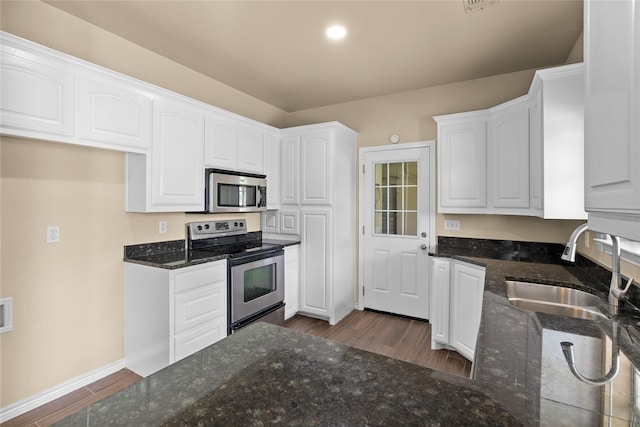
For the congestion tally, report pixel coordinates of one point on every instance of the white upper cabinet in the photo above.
(315, 169)
(508, 155)
(171, 177)
(462, 162)
(37, 94)
(556, 133)
(272, 169)
(250, 150)
(221, 143)
(233, 145)
(290, 169)
(176, 156)
(523, 157)
(612, 149)
(113, 113)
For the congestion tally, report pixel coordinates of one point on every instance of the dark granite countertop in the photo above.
(172, 254)
(267, 375)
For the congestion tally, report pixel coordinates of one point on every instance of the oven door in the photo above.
(256, 283)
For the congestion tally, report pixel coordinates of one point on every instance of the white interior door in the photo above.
(397, 211)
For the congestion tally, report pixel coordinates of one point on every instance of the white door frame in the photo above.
(361, 183)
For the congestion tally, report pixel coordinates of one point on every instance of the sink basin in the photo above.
(553, 300)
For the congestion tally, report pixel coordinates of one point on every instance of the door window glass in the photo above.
(396, 198)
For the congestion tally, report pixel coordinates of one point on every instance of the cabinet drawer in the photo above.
(192, 278)
(199, 306)
(198, 338)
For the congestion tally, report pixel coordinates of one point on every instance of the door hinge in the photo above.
(363, 230)
(363, 291)
(363, 169)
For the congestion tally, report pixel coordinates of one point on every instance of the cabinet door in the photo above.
(315, 237)
(289, 221)
(462, 166)
(291, 280)
(612, 128)
(272, 169)
(315, 173)
(270, 222)
(36, 94)
(250, 151)
(536, 154)
(113, 114)
(439, 317)
(221, 143)
(290, 169)
(508, 160)
(466, 307)
(176, 157)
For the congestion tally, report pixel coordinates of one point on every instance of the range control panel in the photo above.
(209, 229)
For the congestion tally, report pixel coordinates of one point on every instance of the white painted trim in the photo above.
(59, 390)
(432, 201)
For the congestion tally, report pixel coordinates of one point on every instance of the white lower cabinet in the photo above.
(170, 314)
(291, 280)
(456, 305)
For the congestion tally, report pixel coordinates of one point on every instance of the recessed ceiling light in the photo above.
(336, 32)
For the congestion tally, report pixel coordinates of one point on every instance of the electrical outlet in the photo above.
(53, 234)
(162, 227)
(452, 224)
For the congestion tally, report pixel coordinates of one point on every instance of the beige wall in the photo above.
(68, 297)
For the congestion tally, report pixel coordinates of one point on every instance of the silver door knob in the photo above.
(423, 246)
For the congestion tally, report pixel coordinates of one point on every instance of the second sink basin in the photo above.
(553, 300)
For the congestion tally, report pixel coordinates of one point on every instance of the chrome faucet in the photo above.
(615, 293)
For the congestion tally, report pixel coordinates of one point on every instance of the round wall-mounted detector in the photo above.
(394, 139)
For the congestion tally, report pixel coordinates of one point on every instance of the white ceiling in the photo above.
(277, 52)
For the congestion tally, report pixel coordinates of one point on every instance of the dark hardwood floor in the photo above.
(68, 404)
(393, 336)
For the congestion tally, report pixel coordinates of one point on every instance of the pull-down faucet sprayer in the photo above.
(569, 254)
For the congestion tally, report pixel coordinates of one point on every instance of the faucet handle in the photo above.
(622, 292)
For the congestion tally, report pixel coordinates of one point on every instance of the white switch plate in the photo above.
(162, 227)
(53, 234)
(452, 224)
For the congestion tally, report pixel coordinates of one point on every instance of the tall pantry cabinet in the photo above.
(318, 203)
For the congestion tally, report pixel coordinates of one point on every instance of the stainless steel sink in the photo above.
(554, 300)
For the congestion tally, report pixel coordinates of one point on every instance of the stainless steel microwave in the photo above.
(234, 192)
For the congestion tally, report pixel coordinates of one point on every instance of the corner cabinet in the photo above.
(522, 157)
(318, 203)
(171, 177)
(170, 314)
(456, 305)
(612, 131)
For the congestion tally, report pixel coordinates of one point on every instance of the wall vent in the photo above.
(6, 315)
(473, 5)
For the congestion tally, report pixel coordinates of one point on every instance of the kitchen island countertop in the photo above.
(268, 375)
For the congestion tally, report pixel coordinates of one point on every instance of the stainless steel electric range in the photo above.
(255, 270)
